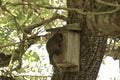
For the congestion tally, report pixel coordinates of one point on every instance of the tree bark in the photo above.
(92, 44)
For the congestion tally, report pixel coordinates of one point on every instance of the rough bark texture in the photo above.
(92, 45)
(92, 52)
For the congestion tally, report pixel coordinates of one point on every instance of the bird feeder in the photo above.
(69, 59)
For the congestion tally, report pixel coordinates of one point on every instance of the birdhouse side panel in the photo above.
(73, 48)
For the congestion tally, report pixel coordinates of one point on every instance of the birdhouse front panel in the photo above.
(70, 50)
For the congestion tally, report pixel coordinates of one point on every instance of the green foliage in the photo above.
(17, 16)
(31, 56)
(36, 64)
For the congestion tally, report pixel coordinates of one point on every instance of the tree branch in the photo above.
(107, 3)
(70, 9)
(28, 29)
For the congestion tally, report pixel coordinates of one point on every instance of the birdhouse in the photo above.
(69, 59)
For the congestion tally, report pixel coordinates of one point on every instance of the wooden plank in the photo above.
(71, 27)
(71, 51)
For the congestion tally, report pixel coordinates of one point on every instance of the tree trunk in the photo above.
(92, 45)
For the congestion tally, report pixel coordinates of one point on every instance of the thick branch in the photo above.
(80, 11)
(56, 16)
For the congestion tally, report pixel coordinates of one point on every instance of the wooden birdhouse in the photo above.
(69, 59)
